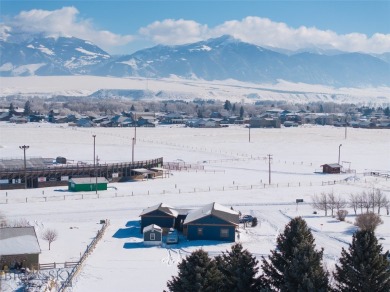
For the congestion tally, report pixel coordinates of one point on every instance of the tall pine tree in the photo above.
(239, 268)
(197, 273)
(363, 267)
(295, 265)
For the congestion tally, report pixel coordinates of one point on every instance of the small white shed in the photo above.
(153, 235)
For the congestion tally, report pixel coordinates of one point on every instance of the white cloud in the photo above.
(174, 32)
(251, 29)
(264, 32)
(62, 22)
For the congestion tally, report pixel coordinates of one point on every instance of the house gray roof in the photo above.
(161, 207)
(88, 180)
(18, 240)
(216, 210)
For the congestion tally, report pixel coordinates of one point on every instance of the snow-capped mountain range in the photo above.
(214, 59)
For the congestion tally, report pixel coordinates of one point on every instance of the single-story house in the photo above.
(19, 247)
(152, 235)
(211, 222)
(331, 168)
(263, 122)
(161, 215)
(87, 184)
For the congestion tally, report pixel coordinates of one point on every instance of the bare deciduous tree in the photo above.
(320, 203)
(21, 222)
(332, 202)
(50, 235)
(380, 200)
(354, 202)
(368, 221)
(340, 203)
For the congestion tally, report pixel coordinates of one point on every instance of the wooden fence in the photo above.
(76, 268)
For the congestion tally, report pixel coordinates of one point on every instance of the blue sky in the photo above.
(125, 26)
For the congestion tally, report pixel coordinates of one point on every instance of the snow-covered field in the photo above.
(236, 174)
(183, 89)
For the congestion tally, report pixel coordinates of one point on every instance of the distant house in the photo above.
(161, 215)
(152, 235)
(262, 122)
(19, 247)
(211, 222)
(331, 168)
(87, 184)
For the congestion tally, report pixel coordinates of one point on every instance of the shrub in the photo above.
(341, 214)
(368, 221)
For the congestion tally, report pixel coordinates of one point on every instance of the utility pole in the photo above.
(135, 127)
(94, 163)
(25, 147)
(339, 153)
(249, 133)
(269, 168)
(132, 150)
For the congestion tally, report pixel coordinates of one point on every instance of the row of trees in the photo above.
(104, 106)
(294, 265)
(366, 201)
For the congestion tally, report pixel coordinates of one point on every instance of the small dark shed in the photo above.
(87, 184)
(211, 222)
(331, 168)
(152, 235)
(161, 215)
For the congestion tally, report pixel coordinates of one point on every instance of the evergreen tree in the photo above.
(227, 106)
(27, 108)
(363, 267)
(132, 108)
(295, 265)
(239, 268)
(241, 112)
(234, 108)
(197, 272)
(11, 108)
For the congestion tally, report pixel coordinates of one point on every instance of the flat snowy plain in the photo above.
(235, 174)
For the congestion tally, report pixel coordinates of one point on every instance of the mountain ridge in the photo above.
(214, 59)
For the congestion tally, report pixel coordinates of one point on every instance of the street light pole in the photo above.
(339, 152)
(94, 162)
(25, 147)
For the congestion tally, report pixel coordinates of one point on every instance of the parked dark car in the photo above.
(246, 218)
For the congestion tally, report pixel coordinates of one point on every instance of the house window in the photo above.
(200, 231)
(152, 236)
(224, 232)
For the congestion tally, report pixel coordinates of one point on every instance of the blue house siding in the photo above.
(211, 229)
(159, 218)
(210, 232)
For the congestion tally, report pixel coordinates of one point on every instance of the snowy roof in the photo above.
(142, 170)
(152, 227)
(333, 165)
(88, 180)
(18, 240)
(163, 208)
(216, 210)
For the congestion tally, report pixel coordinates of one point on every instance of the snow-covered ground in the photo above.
(183, 89)
(235, 175)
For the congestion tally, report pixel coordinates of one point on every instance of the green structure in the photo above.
(87, 184)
